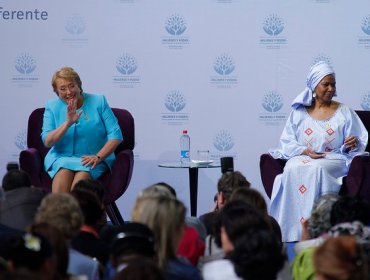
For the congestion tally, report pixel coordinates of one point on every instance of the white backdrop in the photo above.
(226, 70)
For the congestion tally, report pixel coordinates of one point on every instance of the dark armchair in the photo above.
(356, 183)
(116, 182)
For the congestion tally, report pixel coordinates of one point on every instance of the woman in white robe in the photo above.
(319, 140)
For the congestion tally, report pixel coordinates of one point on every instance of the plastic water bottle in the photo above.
(185, 147)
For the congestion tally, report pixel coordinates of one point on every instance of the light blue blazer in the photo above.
(87, 136)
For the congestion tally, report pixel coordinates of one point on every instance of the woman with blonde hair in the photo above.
(165, 216)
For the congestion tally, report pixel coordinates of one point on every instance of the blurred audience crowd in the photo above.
(67, 236)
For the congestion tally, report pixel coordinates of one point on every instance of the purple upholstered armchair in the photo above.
(356, 183)
(116, 182)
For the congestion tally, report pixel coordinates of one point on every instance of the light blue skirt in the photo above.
(74, 163)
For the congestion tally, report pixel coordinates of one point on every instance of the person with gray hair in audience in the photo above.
(318, 223)
(348, 216)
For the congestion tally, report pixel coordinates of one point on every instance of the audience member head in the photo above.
(31, 252)
(60, 256)
(97, 188)
(349, 209)
(132, 241)
(164, 189)
(255, 199)
(165, 216)
(228, 182)
(62, 211)
(191, 243)
(141, 269)
(252, 197)
(319, 221)
(249, 242)
(91, 185)
(90, 205)
(235, 218)
(356, 228)
(158, 189)
(15, 179)
(340, 258)
(168, 187)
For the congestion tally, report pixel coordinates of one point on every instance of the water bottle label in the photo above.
(185, 154)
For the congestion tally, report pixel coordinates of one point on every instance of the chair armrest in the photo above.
(270, 168)
(30, 161)
(354, 179)
(118, 180)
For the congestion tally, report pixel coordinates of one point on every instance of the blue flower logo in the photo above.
(273, 25)
(224, 64)
(223, 141)
(175, 25)
(126, 64)
(25, 63)
(365, 101)
(175, 101)
(21, 140)
(365, 25)
(272, 101)
(75, 25)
